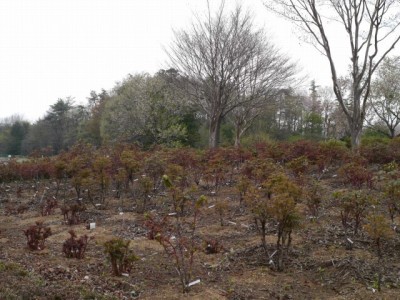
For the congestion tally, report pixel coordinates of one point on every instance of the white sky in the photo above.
(52, 49)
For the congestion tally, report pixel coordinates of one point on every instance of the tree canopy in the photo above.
(372, 31)
(228, 65)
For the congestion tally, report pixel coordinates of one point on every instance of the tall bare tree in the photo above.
(268, 73)
(334, 121)
(227, 65)
(371, 27)
(385, 100)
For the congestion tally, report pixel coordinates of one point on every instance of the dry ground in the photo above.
(318, 267)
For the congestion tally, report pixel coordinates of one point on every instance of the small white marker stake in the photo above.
(194, 282)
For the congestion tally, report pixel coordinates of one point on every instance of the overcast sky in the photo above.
(52, 49)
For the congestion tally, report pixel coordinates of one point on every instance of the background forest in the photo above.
(150, 110)
(226, 84)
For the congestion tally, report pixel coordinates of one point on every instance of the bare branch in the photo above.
(366, 24)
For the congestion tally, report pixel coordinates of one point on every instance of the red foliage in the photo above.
(356, 175)
(36, 236)
(273, 150)
(258, 169)
(190, 160)
(15, 209)
(332, 153)
(376, 151)
(216, 168)
(48, 207)
(212, 246)
(72, 212)
(75, 247)
(306, 148)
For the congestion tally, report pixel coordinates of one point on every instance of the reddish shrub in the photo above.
(72, 213)
(306, 148)
(212, 246)
(48, 207)
(356, 175)
(331, 152)
(376, 151)
(36, 235)
(75, 247)
(15, 209)
(275, 151)
(299, 165)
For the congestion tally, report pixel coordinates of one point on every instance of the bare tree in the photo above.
(334, 122)
(227, 65)
(385, 96)
(371, 27)
(268, 73)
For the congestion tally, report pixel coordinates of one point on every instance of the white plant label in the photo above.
(194, 282)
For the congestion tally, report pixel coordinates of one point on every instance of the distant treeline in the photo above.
(150, 110)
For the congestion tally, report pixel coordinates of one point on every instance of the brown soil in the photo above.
(317, 267)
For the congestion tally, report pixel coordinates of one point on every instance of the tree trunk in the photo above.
(355, 132)
(237, 136)
(263, 233)
(280, 258)
(392, 132)
(215, 124)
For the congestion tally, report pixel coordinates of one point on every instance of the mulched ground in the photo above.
(320, 264)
